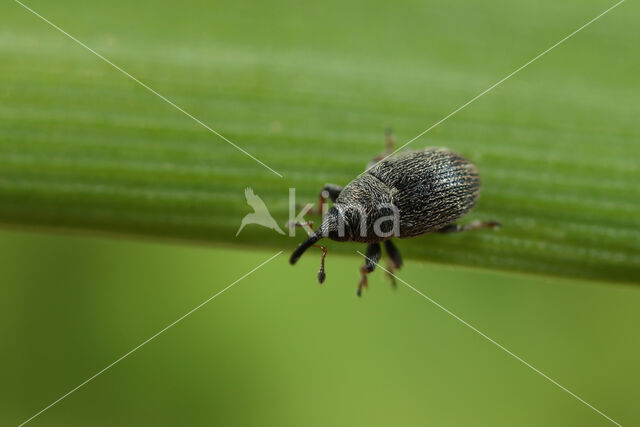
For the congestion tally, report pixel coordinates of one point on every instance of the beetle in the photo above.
(405, 195)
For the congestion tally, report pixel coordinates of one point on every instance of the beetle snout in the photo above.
(311, 240)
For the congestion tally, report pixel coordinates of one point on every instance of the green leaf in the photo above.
(308, 90)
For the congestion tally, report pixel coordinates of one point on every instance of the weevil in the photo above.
(404, 195)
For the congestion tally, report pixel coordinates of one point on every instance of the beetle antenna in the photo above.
(321, 274)
(311, 240)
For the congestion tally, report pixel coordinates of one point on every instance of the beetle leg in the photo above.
(372, 257)
(329, 191)
(395, 260)
(296, 224)
(473, 225)
(389, 142)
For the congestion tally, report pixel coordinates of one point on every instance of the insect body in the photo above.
(407, 195)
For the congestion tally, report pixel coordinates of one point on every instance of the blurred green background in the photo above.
(308, 88)
(278, 349)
